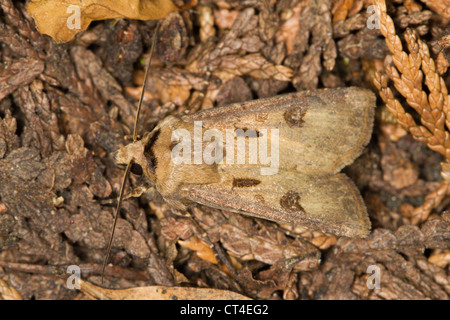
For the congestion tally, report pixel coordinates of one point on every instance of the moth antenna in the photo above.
(116, 216)
(128, 169)
(141, 98)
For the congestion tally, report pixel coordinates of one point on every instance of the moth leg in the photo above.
(137, 191)
(129, 137)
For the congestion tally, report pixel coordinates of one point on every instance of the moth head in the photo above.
(141, 155)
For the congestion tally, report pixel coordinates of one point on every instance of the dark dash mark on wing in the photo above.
(245, 182)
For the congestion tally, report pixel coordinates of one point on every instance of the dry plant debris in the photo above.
(65, 109)
(8, 292)
(53, 16)
(407, 72)
(158, 293)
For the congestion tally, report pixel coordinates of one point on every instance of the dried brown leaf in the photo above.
(201, 248)
(343, 7)
(441, 7)
(56, 23)
(441, 259)
(8, 292)
(159, 293)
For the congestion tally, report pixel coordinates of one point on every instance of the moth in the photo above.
(277, 158)
(319, 132)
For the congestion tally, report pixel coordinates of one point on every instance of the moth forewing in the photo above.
(320, 131)
(329, 203)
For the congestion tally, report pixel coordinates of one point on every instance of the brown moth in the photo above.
(277, 158)
(233, 165)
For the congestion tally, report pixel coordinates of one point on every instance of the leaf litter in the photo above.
(65, 109)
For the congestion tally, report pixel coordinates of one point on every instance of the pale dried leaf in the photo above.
(159, 293)
(54, 16)
(8, 292)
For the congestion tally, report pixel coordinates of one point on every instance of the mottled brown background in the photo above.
(65, 109)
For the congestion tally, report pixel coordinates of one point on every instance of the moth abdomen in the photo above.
(275, 158)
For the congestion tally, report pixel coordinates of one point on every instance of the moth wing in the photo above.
(320, 131)
(329, 203)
